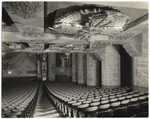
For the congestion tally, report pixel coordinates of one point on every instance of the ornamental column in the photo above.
(39, 65)
(92, 79)
(81, 68)
(51, 66)
(74, 67)
(111, 67)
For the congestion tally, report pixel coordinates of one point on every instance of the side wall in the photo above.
(19, 65)
(140, 64)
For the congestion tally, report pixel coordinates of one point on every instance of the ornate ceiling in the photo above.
(67, 27)
(90, 20)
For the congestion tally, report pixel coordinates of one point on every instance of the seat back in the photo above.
(145, 114)
(106, 113)
(144, 106)
(120, 112)
(132, 110)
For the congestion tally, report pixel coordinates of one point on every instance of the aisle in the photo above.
(43, 107)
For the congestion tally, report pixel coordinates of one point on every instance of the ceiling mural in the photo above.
(67, 27)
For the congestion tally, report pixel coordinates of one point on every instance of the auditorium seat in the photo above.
(134, 100)
(91, 111)
(81, 100)
(113, 100)
(131, 93)
(115, 105)
(94, 104)
(142, 99)
(90, 98)
(70, 110)
(81, 110)
(87, 102)
(96, 100)
(104, 107)
(104, 102)
(111, 97)
(19, 99)
(136, 95)
(129, 96)
(125, 103)
(121, 98)
(108, 101)
(75, 107)
(106, 113)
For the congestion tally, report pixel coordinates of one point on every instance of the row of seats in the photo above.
(19, 98)
(82, 101)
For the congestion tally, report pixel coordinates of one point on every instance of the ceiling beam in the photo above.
(126, 4)
(137, 21)
(29, 14)
(134, 47)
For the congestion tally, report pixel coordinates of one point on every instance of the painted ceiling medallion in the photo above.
(86, 22)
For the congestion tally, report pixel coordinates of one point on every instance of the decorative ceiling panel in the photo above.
(73, 27)
(90, 20)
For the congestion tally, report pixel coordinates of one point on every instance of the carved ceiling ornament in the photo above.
(26, 10)
(87, 22)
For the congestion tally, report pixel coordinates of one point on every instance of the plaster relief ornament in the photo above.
(90, 20)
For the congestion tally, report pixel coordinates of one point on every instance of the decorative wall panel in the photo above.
(111, 67)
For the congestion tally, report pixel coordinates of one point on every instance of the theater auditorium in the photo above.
(74, 59)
